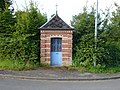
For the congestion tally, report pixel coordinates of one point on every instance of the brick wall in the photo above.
(45, 38)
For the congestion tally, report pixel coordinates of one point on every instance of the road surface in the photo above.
(14, 84)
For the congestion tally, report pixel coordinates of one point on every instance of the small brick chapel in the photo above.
(56, 42)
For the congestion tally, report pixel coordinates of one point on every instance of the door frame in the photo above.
(51, 59)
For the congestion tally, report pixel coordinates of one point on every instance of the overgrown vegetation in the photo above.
(19, 37)
(17, 65)
(107, 53)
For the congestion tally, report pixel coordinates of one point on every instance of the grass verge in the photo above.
(17, 65)
(113, 69)
(97, 69)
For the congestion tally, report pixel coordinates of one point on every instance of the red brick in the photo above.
(67, 50)
(47, 59)
(67, 46)
(66, 55)
(45, 44)
(47, 55)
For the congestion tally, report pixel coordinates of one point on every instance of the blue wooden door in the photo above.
(56, 52)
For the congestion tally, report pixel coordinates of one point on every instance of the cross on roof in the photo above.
(56, 8)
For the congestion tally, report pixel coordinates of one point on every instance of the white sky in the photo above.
(66, 8)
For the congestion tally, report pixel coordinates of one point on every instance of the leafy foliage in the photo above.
(114, 27)
(84, 52)
(27, 33)
(4, 4)
(7, 22)
(19, 35)
(19, 38)
(113, 37)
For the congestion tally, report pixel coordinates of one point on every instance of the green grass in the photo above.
(19, 66)
(16, 65)
(97, 69)
(113, 69)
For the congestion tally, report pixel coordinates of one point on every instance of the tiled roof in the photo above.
(56, 23)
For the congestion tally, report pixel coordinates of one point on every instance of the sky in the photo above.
(66, 8)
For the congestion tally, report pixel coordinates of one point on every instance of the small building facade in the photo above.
(56, 42)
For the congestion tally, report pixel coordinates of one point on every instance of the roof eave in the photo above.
(56, 29)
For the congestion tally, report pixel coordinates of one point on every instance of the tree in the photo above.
(27, 33)
(36, 20)
(6, 17)
(114, 25)
(84, 53)
(7, 21)
(4, 4)
(20, 37)
(112, 35)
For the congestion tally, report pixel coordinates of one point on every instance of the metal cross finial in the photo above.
(56, 8)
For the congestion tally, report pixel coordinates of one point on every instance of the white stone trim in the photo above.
(45, 48)
(55, 36)
(66, 38)
(66, 57)
(44, 39)
(47, 57)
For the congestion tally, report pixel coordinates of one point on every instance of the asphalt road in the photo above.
(14, 84)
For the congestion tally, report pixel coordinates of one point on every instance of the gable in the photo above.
(56, 23)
